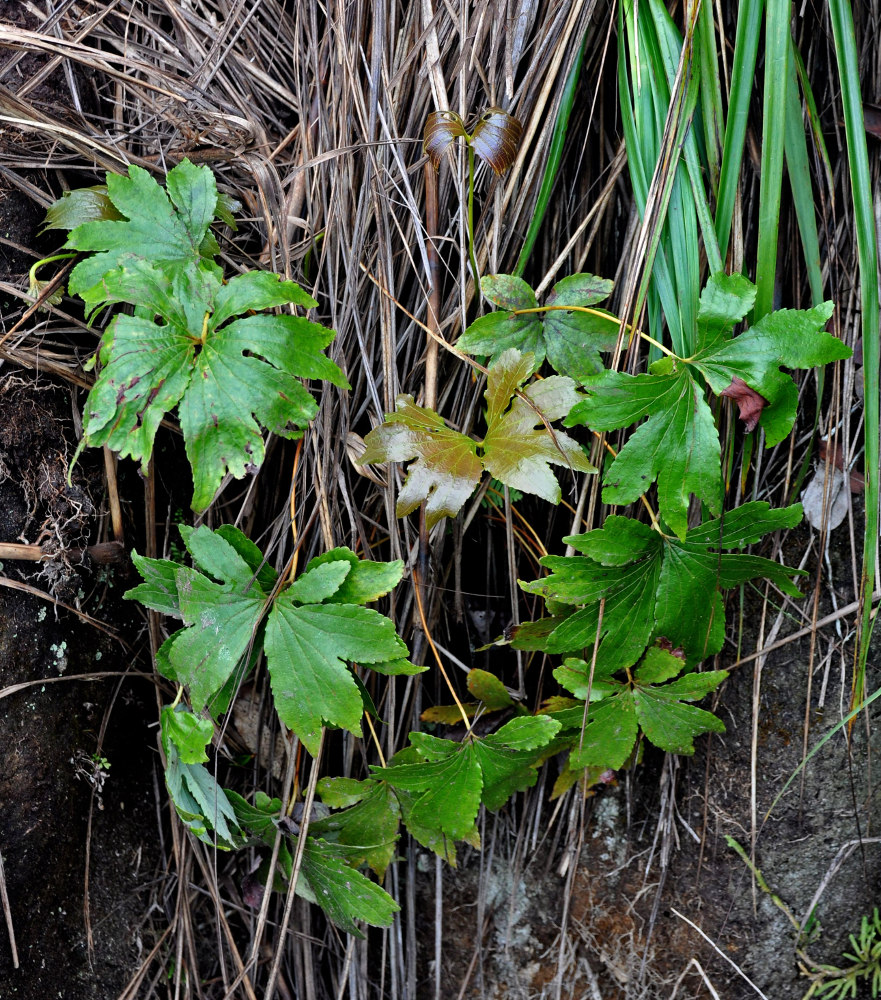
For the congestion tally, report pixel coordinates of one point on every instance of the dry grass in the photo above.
(312, 118)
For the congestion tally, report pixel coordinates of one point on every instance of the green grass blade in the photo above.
(555, 155)
(712, 112)
(688, 207)
(796, 149)
(668, 180)
(861, 191)
(642, 153)
(814, 119)
(777, 46)
(743, 71)
(798, 169)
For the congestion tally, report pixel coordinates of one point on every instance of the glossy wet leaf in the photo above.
(75, 208)
(442, 128)
(496, 139)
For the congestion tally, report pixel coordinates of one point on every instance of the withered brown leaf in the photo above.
(749, 403)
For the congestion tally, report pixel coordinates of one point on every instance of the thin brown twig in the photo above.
(7, 913)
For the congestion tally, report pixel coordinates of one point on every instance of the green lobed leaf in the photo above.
(497, 332)
(163, 656)
(168, 227)
(450, 790)
(654, 585)
(344, 894)
(503, 772)
(258, 819)
(659, 665)
(266, 575)
(218, 557)
(725, 301)
(630, 594)
(678, 445)
(574, 340)
(222, 624)
(524, 733)
(338, 793)
(228, 381)
(257, 290)
(610, 734)
(369, 825)
(366, 581)
(508, 292)
(454, 778)
(670, 724)
(795, 338)
(306, 647)
(574, 675)
(159, 589)
(189, 733)
(571, 340)
(433, 747)
(398, 668)
(318, 583)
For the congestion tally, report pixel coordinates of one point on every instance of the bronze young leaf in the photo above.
(442, 128)
(496, 137)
